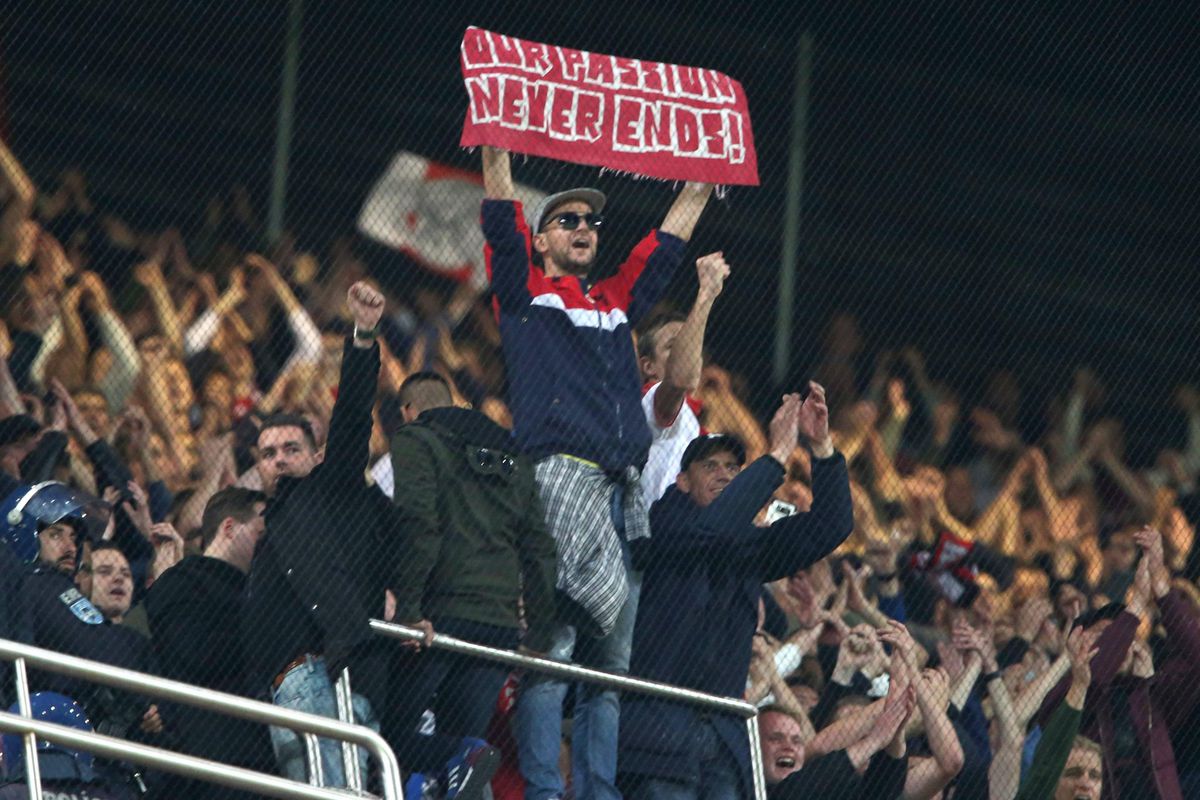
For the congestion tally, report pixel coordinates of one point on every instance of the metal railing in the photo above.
(623, 683)
(310, 725)
(158, 758)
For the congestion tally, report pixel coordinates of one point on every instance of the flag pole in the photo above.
(283, 127)
(789, 262)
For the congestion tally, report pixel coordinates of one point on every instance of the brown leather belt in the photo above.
(298, 661)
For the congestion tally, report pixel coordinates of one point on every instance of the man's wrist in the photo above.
(822, 449)
(364, 338)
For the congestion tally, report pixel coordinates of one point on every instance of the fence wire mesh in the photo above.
(280, 357)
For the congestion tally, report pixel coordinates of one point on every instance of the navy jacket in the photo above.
(574, 384)
(704, 571)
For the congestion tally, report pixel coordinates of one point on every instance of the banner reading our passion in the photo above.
(659, 120)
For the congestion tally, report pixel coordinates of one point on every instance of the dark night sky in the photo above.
(1003, 184)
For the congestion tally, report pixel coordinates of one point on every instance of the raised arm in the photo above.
(927, 778)
(497, 174)
(71, 362)
(685, 212)
(203, 329)
(304, 330)
(797, 541)
(21, 195)
(121, 379)
(687, 351)
(347, 448)
(150, 275)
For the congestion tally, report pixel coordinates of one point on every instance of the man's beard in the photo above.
(567, 262)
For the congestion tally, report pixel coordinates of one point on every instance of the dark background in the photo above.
(1006, 186)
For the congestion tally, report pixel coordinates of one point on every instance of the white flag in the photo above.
(430, 212)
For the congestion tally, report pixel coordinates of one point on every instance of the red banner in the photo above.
(659, 120)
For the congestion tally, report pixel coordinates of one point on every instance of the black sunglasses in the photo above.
(569, 220)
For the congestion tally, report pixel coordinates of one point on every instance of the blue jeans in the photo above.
(308, 688)
(720, 778)
(538, 719)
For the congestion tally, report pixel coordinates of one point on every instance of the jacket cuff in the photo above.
(539, 639)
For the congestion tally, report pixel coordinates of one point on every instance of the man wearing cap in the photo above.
(704, 567)
(575, 394)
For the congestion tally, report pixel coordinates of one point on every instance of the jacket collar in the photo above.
(468, 425)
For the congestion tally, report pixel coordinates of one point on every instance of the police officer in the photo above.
(44, 526)
(72, 774)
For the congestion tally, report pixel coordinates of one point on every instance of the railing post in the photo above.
(345, 704)
(33, 769)
(311, 725)
(756, 762)
(312, 751)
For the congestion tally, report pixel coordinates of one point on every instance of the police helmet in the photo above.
(57, 763)
(29, 509)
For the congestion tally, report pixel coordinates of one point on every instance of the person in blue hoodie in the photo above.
(704, 566)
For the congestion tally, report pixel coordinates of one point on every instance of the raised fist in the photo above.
(366, 305)
(712, 270)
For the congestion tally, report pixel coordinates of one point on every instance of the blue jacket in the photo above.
(574, 385)
(704, 571)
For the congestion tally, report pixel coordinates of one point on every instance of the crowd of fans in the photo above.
(988, 611)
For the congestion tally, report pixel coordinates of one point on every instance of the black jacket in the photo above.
(474, 527)
(195, 611)
(15, 623)
(322, 565)
(833, 777)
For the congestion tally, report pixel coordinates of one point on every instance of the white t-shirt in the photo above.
(666, 447)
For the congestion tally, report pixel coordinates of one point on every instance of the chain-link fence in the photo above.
(899, 445)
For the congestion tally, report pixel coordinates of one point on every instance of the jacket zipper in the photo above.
(1150, 736)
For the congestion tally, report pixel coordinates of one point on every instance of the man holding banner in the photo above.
(576, 399)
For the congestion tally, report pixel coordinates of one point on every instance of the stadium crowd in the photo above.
(220, 457)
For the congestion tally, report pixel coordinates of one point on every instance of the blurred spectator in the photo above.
(475, 544)
(587, 432)
(1135, 704)
(309, 595)
(670, 353)
(195, 611)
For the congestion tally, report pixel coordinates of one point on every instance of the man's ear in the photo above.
(645, 364)
(319, 456)
(682, 482)
(540, 244)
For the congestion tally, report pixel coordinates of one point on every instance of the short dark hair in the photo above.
(290, 421)
(232, 501)
(100, 547)
(426, 389)
(647, 337)
(774, 708)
